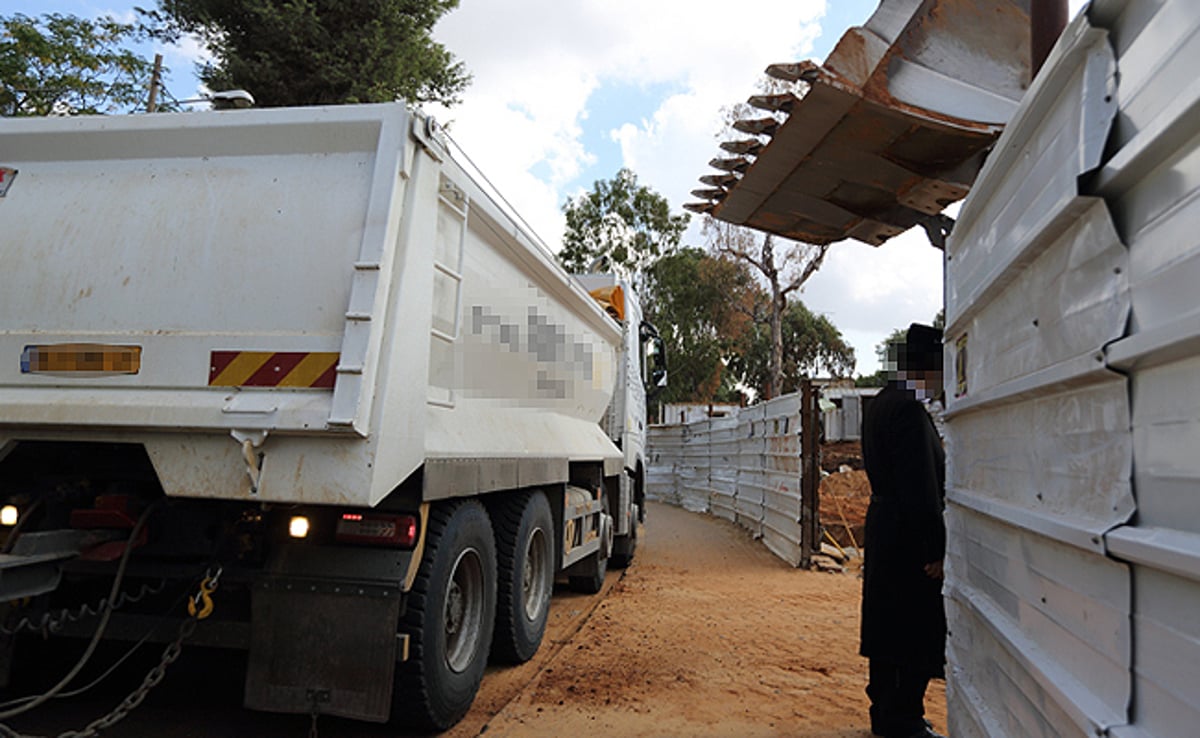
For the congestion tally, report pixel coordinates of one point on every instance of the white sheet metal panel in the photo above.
(723, 466)
(751, 479)
(1039, 446)
(693, 468)
(1152, 182)
(745, 468)
(781, 530)
(1040, 598)
(665, 450)
(1026, 193)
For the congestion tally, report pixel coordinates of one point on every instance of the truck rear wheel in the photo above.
(625, 546)
(524, 573)
(448, 618)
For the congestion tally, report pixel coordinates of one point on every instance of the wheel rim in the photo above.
(463, 615)
(534, 588)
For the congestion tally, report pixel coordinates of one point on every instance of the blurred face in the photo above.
(926, 384)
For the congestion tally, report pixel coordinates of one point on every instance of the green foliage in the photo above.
(64, 65)
(627, 224)
(878, 379)
(319, 52)
(812, 346)
(694, 299)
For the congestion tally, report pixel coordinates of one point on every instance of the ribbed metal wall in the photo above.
(1073, 479)
(1152, 185)
(745, 469)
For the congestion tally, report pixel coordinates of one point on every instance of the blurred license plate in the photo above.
(92, 358)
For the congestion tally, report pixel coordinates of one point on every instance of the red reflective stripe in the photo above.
(217, 361)
(276, 368)
(326, 380)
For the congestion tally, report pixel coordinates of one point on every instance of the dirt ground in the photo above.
(845, 493)
(707, 634)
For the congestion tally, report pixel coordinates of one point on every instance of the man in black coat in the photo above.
(903, 619)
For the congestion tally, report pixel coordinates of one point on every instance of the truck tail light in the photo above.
(377, 529)
(108, 511)
(298, 526)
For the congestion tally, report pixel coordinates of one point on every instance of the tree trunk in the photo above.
(778, 304)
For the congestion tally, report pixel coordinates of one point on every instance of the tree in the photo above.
(812, 345)
(787, 267)
(63, 65)
(621, 222)
(693, 298)
(319, 52)
(785, 272)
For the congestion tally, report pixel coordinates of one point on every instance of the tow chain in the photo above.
(135, 698)
(200, 606)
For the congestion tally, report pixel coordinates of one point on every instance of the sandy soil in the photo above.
(707, 634)
(843, 506)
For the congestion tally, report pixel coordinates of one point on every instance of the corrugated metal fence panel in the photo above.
(781, 478)
(665, 449)
(723, 467)
(748, 505)
(744, 468)
(1152, 183)
(693, 470)
(1039, 444)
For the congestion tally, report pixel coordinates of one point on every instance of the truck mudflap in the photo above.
(324, 631)
(324, 647)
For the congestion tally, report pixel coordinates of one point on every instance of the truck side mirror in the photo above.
(654, 365)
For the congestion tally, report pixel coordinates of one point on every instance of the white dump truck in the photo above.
(293, 381)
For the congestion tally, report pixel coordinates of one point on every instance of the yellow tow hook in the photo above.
(200, 606)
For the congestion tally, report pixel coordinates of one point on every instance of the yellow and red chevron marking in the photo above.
(272, 369)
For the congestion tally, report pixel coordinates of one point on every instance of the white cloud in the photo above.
(869, 291)
(536, 63)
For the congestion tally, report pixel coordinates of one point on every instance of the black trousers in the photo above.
(897, 694)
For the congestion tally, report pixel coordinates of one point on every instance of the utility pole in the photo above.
(155, 81)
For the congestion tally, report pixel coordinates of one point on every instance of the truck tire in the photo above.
(625, 546)
(595, 566)
(448, 619)
(524, 574)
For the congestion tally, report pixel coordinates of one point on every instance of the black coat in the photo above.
(903, 618)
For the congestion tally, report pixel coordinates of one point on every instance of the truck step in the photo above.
(34, 566)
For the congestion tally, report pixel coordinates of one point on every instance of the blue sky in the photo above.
(567, 92)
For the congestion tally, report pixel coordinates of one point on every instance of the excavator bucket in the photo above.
(891, 129)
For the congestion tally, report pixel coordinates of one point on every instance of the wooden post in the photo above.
(810, 473)
(155, 81)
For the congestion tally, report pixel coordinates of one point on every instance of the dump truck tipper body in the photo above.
(312, 351)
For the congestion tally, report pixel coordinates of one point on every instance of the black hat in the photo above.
(922, 350)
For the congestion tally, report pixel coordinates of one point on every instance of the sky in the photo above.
(566, 92)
